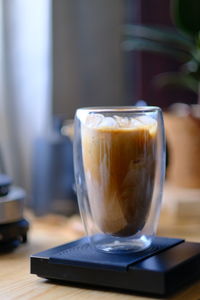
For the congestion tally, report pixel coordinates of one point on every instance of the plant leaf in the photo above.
(186, 15)
(160, 34)
(176, 79)
(152, 46)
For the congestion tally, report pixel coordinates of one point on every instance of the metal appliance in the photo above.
(13, 226)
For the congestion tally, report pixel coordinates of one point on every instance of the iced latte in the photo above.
(119, 162)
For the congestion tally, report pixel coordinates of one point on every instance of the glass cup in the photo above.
(119, 161)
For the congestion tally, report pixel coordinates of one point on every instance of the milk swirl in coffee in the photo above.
(119, 162)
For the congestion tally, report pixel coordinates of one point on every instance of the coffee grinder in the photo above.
(13, 226)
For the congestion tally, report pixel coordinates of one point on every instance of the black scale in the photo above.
(162, 269)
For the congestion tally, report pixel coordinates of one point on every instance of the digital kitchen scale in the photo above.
(165, 267)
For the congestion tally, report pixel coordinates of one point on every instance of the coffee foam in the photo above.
(98, 121)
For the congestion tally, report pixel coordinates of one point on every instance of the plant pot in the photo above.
(183, 141)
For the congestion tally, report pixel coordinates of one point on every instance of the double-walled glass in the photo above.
(119, 160)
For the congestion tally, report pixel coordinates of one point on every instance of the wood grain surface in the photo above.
(16, 282)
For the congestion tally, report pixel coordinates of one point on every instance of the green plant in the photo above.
(181, 43)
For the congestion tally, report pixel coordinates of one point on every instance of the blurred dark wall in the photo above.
(154, 12)
(89, 67)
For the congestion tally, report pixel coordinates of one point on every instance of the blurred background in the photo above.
(56, 56)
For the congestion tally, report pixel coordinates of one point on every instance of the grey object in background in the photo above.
(53, 174)
(87, 54)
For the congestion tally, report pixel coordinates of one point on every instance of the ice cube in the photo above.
(134, 123)
(108, 122)
(146, 120)
(93, 120)
(122, 122)
(127, 122)
(149, 123)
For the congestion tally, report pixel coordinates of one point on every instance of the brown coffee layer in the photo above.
(119, 169)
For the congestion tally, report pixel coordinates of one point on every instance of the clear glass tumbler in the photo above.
(119, 161)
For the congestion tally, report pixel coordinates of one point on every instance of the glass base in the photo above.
(111, 244)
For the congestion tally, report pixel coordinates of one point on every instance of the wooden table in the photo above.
(16, 282)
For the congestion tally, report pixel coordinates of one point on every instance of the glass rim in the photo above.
(119, 109)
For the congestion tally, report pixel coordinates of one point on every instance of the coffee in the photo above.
(119, 163)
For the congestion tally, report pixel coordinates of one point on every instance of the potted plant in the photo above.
(183, 121)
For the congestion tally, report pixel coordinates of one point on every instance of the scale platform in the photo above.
(162, 269)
